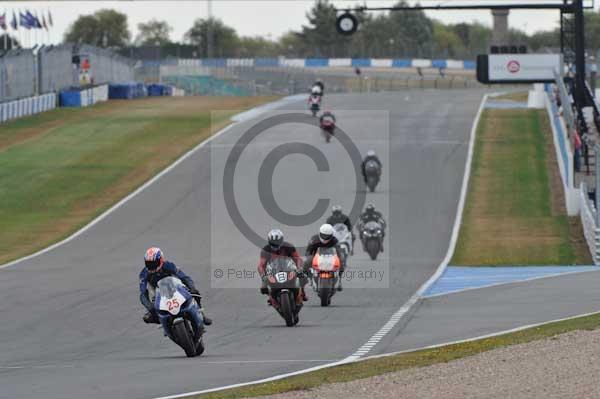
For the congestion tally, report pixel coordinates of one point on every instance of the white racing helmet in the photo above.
(326, 233)
(275, 238)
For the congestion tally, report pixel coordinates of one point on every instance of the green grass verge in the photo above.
(513, 214)
(388, 364)
(61, 168)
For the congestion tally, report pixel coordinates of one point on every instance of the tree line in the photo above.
(396, 34)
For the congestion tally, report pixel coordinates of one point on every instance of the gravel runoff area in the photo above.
(564, 366)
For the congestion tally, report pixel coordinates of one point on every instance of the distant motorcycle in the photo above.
(372, 174)
(314, 104)
(325, 273)
(372, 238)
(344, 237)
(328, 127)
(180, 315)
(284, 289)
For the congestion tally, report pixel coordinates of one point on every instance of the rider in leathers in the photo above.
(338, 216)
(370, 157)
(276, 246)
(324, 239)
(370, 214)
(156, 268)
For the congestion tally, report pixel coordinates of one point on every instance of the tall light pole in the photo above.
(209, 33)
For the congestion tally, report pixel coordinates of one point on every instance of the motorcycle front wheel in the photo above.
(184, 339)
(287, 310)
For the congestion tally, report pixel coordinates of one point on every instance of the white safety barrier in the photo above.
(338, 62)
(93, 96)
(240, 62)
(381, 62)
(588, 221)
(27, 106)
(293, 62)
(178, 92)
(421, 63)
(455, 64)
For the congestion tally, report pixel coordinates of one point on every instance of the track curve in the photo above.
(71, 318)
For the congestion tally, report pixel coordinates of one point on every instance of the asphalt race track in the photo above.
(71, 320)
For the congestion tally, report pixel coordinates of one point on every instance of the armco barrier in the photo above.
(361, 62)
(266, 62)
(439, 64)
(401, 63)
(316, 62)
(327, 62)
(27, 106)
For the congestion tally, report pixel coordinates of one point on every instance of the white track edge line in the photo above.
(516, 282)
(395, 319)
(479, 337)
(357, 360)
(406, 307)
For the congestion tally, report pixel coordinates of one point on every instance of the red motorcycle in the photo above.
(328, 126)
(284, 287)
(314, 104)
(325, 273)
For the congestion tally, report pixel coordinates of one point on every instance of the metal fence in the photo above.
(24, 73)
(17, 75)
(55, 68)
(106, 66)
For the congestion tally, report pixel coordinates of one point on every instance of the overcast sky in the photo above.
(270, 18)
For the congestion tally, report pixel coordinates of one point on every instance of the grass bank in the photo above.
(60, 169)
(515, 214)
(378, 366)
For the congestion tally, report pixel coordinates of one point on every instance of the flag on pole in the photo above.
(38, 24)
(33, 22)
(14, 23)
(3, 21)
(24, 21)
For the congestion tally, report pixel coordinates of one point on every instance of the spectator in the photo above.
(577, 151)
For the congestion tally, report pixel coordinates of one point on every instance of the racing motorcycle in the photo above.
(344, 237)
(314, 104)
(372, 174)
(180, 315)
(284, 288)
(325, 273)
(328, 127)
(372, 238)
